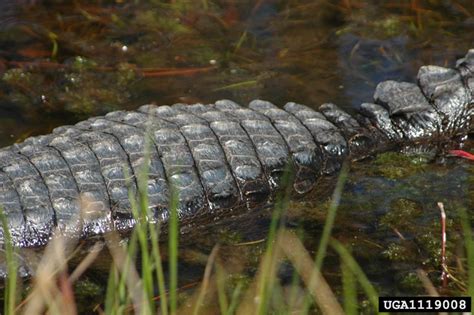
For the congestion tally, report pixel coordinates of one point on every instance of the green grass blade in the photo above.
(349, 289)
(205, 280)
(328, 225)
(236, 85)
(356, 270)
(139, 211)
(11, 283)
(155, 247)
(141, 230)
(331, 217)
(173, 239)
(111, 298)
(240, 42)
(220, 284)
(469, 243)
(234, 301)
(154, 229)
(295, 287)
(281, 205)
(122, 295)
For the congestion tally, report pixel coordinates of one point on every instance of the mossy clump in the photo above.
(80, 63)
(389, 26)
(309, 210)
(87, 91)
(23, 87)
(403, 214)
(431, 245)
(228, 236)
(88, 293)
(394, 165)
(87, 287)
(410, 281)
(397, 252)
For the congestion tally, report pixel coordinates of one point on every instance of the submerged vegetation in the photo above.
(276, 274)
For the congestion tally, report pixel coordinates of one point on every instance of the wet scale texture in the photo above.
(215, 157)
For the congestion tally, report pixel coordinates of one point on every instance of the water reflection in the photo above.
(306, 51)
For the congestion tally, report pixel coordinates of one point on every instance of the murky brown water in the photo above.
(61, 62)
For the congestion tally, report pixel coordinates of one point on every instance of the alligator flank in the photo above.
(217, 157)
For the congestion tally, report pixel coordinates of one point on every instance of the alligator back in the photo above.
(217, 157)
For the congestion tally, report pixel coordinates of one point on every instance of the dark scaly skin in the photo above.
(217, 157)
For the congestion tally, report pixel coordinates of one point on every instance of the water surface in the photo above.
(63, 61)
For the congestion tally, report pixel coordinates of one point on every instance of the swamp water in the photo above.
(61, 62)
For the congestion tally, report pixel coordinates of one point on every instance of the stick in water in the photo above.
(444, 267)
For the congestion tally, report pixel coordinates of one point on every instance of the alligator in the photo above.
(216, 157)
